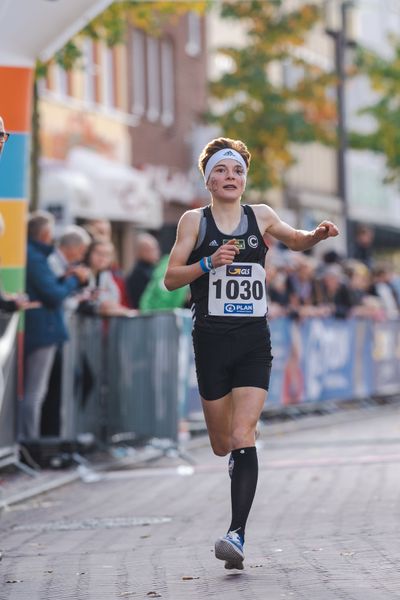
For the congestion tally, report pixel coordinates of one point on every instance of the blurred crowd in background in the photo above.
(301, 286)
(79, 273)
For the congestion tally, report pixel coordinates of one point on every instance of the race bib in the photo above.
(237, 290)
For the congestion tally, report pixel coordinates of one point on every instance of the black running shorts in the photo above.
(238, 358)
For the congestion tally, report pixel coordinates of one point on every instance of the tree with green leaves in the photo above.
(384, 76)
(271, 115)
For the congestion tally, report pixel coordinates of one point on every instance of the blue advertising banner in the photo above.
(286, 384)
(327, 351)
(386, 357)
(318, 360)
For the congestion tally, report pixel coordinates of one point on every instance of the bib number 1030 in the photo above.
(237, 290)
(234, 289)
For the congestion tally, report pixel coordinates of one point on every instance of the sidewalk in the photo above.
(324, 525)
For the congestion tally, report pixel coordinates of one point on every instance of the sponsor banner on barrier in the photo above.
(327, 348)
(286, 384)
(386, 356)
(141, 378)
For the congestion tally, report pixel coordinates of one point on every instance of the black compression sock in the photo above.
(243, 486)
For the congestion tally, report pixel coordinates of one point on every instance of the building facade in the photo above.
(117, 131)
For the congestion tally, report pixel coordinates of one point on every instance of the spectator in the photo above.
(363, 303)
(363, 245)
(100, 230)
(104, 293)
(70, 251)
(302, 286)
(383, 288)
(278, 269)
(147, 255)
(45, 329)
(156, 297)
(333, 293)
(292, 286)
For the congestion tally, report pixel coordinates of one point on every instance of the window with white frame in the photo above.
(167, 83)
(109, 96)
(139, 79)
(61, 85)
(89, 72)
(193, 44)
(153, 79)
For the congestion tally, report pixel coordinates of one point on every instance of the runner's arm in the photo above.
(294, 239)
(178, 273)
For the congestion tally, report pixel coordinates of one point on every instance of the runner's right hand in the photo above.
(225, 254)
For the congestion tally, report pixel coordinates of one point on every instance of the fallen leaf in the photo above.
(189, 577)
(14, 581)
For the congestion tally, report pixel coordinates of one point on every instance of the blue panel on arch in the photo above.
(14, 166)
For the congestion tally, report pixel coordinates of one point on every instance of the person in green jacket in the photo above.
(156, 297)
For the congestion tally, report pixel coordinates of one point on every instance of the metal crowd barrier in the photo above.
(124, 377)
(83, 399)
(8, 389)
(135, 377)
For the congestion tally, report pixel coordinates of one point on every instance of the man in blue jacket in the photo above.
(45, 329)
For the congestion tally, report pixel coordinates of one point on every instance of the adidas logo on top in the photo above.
(228, 153)
(213, 243)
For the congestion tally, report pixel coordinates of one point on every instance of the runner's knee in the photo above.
(220, 449)
(242, 436)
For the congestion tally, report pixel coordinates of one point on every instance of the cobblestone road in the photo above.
(324, 526)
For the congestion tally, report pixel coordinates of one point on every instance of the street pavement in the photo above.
(324, 524)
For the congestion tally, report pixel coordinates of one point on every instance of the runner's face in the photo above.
(227, 180)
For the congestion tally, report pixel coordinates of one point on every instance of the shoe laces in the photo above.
(235, 537)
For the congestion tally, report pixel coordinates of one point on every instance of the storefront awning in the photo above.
(90, 186)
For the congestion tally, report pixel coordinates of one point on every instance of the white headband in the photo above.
(220, 155)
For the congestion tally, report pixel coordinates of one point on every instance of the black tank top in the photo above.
(252, 249)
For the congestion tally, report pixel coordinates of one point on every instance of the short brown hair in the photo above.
(37, 221)
(219, 144)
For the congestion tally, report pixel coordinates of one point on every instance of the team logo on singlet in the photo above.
(235, 271)
(252, 240)
(240, 243)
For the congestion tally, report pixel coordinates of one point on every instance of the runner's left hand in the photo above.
(324, 230)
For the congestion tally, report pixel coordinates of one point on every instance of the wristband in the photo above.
(204, 265)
